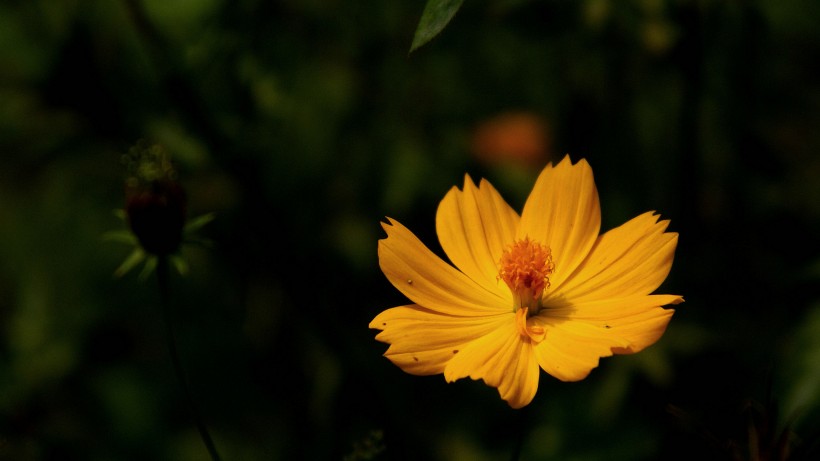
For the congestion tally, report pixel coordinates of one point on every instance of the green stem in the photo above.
(164, 292)
(523, 418)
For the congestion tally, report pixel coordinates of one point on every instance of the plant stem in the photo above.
(523, 420)
(164, 292)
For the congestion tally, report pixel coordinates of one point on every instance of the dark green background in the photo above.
(302, 124)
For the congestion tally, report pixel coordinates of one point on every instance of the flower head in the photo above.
(542, 290)
(155, 211)
(155, 203)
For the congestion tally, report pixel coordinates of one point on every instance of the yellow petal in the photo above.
(430, 282)
(559, 358)
(633, 259)
(503, 360)
(577, 336)
(474, 226)
(563, 212)
(609, 310)
(422, 341)
(635, 322)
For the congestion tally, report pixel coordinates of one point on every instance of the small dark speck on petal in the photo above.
(416, 359)
(384, 324)
(607, 327)
(455, 351)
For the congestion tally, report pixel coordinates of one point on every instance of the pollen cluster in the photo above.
(525, 267)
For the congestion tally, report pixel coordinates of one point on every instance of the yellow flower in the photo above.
(542, 289)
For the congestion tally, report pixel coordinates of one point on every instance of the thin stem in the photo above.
(164, 292)
(523, 418)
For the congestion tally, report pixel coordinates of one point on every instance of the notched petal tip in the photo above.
(388, 224)
(467, 181)
(564, 160)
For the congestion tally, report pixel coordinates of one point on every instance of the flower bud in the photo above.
(155, 201)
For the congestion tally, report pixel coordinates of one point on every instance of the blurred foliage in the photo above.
(436, 15)
(301, 124)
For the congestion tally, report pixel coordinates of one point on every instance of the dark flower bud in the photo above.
(156, 215)
(155, 202)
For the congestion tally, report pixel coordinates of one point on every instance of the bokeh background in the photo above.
(302, 124)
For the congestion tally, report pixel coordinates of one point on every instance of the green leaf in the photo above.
(180, 264)
(198, 222)
(150, 264)
(132, 260)
(120, 236)
(436, 15)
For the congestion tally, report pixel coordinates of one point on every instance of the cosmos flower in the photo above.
(512, 138)
(542, 290)
(155, 212)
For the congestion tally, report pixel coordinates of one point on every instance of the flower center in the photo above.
(525, 267)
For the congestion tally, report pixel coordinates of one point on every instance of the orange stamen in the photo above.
(526, 327)
(525, 267)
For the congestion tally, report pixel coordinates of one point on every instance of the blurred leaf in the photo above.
(150, 265)
(804, 373)
(408, 174)
(180, 264)
(198, 222)
(120, 236)
(128, 401)
(367, 448)
(132, 260)
(436, 15)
